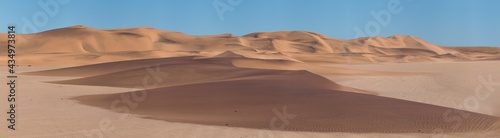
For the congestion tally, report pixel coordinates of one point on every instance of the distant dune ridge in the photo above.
(82, 45)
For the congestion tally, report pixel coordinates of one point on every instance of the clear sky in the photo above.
(443, 22)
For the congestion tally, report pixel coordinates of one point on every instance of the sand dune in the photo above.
(246, 102)
(104, 68)
(401, 42)
(71, 118)
(185, 70)
(239, 92)
(243, 81)
(80, 45)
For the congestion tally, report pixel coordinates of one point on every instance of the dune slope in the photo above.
(310, 106)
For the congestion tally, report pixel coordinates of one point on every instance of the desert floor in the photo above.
(49, 110)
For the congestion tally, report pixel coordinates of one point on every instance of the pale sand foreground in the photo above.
(471, 86)
(46, 111)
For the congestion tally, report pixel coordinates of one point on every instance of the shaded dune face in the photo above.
(108, 67)
(216, 92)
(307, 101)
(184, 71)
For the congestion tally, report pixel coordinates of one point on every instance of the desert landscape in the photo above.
(80, 81)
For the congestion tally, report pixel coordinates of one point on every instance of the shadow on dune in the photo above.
(215, 92)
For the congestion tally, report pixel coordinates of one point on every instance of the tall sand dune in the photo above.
(81, 44)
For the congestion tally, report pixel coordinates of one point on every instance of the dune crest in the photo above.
(80, 44)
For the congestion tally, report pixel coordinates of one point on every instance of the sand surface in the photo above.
(55, 114)
(462, 85)
(144, 82)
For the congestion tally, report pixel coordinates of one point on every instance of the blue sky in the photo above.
(443, 22)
